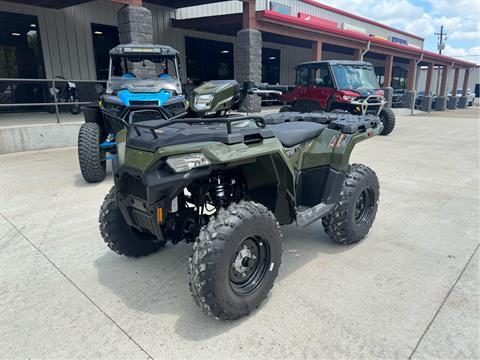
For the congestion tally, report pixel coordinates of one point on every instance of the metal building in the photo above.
(260, 40)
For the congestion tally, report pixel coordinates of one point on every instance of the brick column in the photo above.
(463, 101)
(453, 100)
(135, 26)
(387, 80)
(317, 50)
(427, 98)
(409, 96)
(248, 56)
(441, 101)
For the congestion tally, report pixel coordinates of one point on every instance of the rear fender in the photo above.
(346, 142)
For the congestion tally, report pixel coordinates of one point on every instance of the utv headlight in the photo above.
(184, 163)
(203, 102)
(114, 108)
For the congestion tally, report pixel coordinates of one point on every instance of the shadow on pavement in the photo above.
(79, 181)
(158, 283)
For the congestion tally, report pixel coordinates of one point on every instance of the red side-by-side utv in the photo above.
(338, 86)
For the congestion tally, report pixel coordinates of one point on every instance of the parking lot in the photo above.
(410, 289)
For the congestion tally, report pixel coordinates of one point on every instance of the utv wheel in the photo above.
(387, 116)
(351, 218)
(286, 108)
(235, 260)
(120, 237)
(92, 164)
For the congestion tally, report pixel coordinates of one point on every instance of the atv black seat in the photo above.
(294, 133)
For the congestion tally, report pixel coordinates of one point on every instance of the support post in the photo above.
(357, 54)
(249, 19)
(441, 101)
(409, 96)
(463, 101)
(427, 97)
(387, 80)
(453, 100)
(317, 50)
(248, 56)
(135, 26)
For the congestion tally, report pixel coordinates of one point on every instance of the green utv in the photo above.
(226, 184)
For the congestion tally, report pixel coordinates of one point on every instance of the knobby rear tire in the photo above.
(92, 165)
(341, 223)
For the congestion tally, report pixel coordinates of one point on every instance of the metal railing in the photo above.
(12, 83)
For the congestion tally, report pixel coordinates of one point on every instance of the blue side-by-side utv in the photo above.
(144, 82)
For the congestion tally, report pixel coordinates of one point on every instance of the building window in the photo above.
(20, 47)
(380, 72)
(105, 38)
(208, 60)
(399, 78)
(271, 66)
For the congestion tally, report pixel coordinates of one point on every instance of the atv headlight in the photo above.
(184, 163)
(203, 102)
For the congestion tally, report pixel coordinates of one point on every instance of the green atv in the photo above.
(226, 184)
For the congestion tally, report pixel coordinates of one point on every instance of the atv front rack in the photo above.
(259, 121)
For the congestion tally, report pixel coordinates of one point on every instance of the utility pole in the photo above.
(440, 46)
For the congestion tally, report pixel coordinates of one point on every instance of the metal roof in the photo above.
(60, 4)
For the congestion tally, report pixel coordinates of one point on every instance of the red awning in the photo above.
(293, 21)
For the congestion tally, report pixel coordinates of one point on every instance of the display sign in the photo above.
(398, 40)
(354, 28)
(316, 20)
(378, 37)
(282, 9)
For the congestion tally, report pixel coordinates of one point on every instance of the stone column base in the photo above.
(462, 102)
(135, 25)
(408, 99)
(452, 102)
(441, 103)
(248, 64)
(388, 93)
(426, 104)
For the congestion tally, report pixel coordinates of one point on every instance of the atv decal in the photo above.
(342, 140)
(333, 142)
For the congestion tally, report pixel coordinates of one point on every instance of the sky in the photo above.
(460, 19)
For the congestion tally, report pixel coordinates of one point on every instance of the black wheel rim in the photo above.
(249, 264)
(364, 206)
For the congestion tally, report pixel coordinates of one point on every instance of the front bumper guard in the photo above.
(366, 103)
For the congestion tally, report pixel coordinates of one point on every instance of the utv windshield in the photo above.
(147, 71)
(350, 77)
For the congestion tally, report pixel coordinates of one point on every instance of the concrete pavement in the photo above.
(410, 289)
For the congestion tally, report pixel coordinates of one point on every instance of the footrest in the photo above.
(306, 216)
